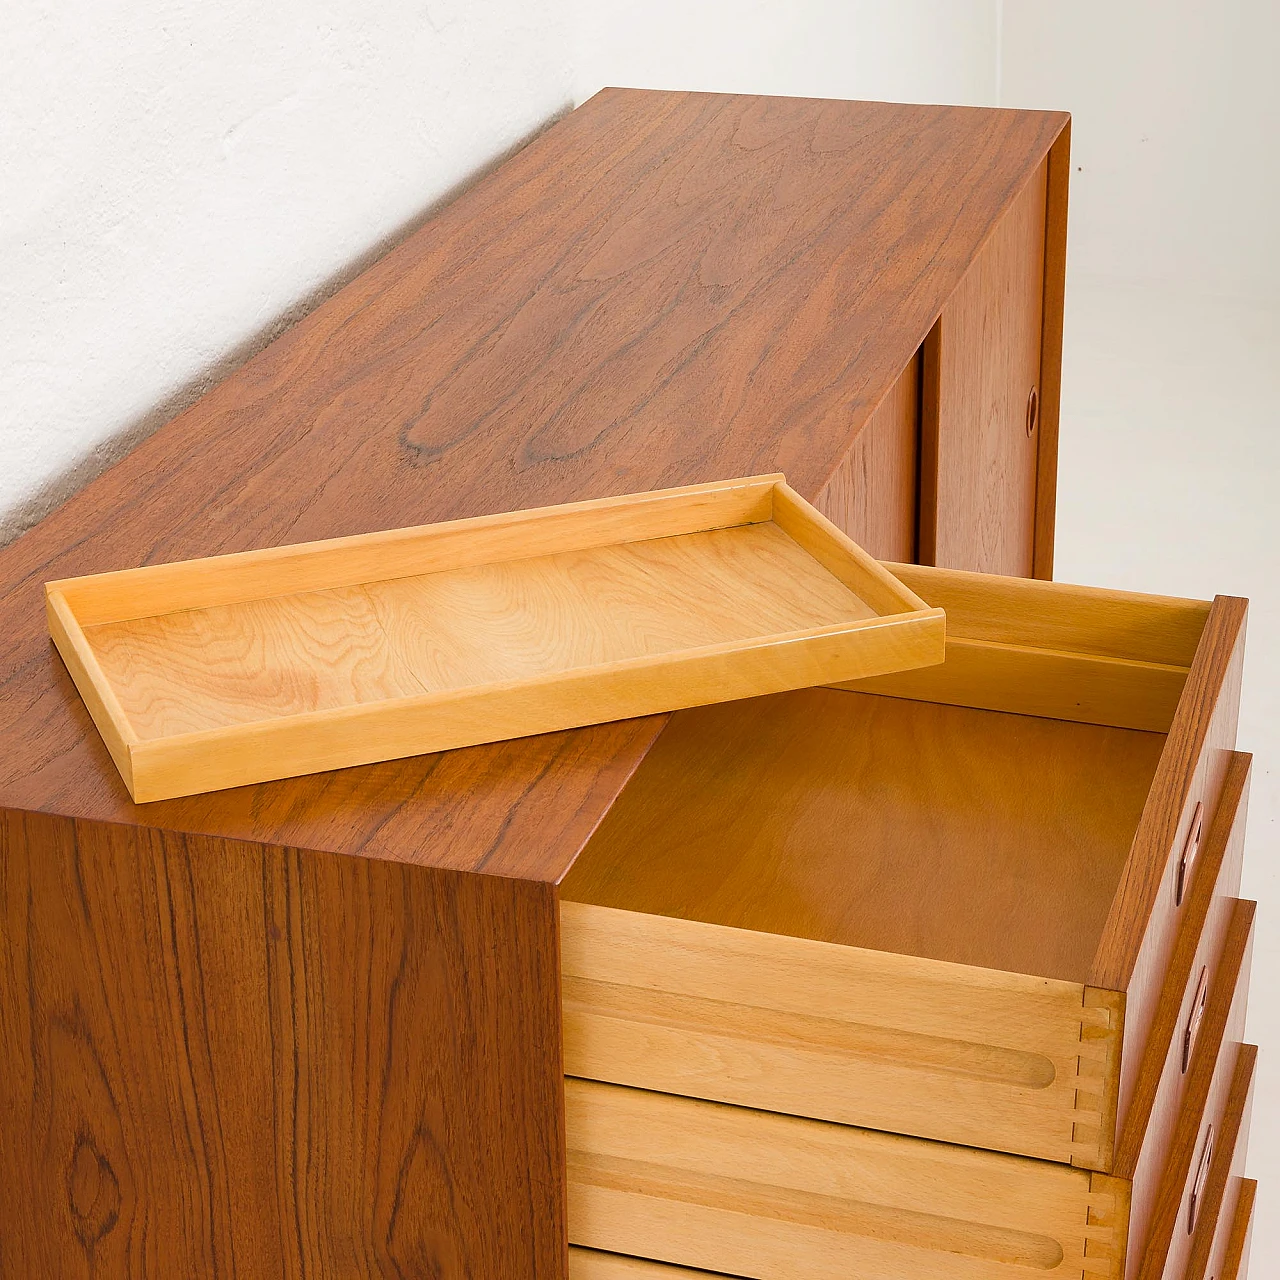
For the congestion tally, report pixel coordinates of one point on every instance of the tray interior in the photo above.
(975, 836)
(236, 663)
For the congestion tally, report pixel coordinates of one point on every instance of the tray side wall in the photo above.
(398, 553)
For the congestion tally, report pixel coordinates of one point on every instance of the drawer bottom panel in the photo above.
(768, 1196)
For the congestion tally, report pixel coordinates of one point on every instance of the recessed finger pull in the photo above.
(1202, 1176)
(1189, 851)
(1195, 1018)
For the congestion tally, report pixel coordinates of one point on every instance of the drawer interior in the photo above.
(974, 836)
(981, 812)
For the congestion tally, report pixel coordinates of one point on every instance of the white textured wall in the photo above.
(897, 50)
(1176, 159)
(178, 178)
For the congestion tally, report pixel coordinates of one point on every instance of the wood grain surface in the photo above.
(873, 495)
(228, 1059)
(1153, 1081)
(1159, 1235)
(984, 357)
(664, 288)
(747, 1192)
(487, 624)
(945, 832)
(1220, 1203)
(592, 1264)
(1233, 1262)
(885, 1041)
(1057, 183)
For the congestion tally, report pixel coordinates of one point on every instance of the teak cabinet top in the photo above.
(662, 289)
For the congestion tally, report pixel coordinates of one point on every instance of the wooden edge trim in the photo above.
(1054, 297)
(390, 553)
(1167, 1207)
(1233, 1126)
(1235, 1259)
(839, 554)
(1153, 842)
(99, 697)
(1227, 822)
(930, 425)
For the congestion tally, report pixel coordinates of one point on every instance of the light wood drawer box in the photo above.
(591, 1264)
(946, 904)
(761, 1194)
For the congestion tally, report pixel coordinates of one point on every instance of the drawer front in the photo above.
(772, 1197)
(591, 1264)
(1172, 1187)
(1138, 944)
(1164, 1071)
(784, 1024)
(1220, 1206)
(1229, 1257)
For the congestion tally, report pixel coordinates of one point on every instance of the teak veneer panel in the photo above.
(662, 289)
(1224, 1193)
(1230, 1258)
(874, 493)
(981, 367)
(306, 1058)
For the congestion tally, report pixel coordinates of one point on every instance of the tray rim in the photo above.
(153, 768)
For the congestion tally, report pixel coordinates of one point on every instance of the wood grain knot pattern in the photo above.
(230, 1059)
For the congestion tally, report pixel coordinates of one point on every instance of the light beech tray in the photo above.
(268, 664)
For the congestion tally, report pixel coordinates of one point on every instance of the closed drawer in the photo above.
(1225, 1213)
(1173, 1215)
(1229, 1259)
(765, 1195)
(963, 904)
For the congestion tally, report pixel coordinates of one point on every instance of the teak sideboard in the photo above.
(318, 1027)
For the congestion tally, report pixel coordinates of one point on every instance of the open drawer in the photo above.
(753, 1193)
(957, 903)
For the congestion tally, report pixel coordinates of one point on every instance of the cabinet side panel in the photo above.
(988, 372)
(219, 1058)
(872, 494)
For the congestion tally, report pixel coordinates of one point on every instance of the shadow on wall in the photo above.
(28, 512)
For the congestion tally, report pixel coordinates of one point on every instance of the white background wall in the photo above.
(180, 179)
(900, 50)
(1176, 132)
